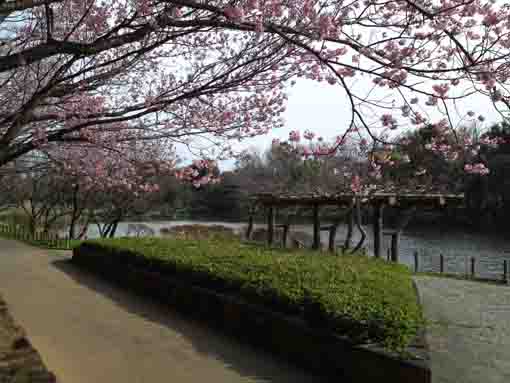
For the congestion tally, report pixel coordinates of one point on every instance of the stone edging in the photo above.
(320, 351)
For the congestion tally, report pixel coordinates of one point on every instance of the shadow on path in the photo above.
(253, 364)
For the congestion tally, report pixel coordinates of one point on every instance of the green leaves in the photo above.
(365, 298)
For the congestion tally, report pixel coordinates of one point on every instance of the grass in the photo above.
(366, 299)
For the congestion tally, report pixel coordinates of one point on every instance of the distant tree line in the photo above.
(48, 197)
(282, 169)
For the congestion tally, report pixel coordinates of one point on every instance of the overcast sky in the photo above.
(325, 110)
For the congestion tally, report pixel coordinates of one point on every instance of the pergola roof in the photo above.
(377, 198)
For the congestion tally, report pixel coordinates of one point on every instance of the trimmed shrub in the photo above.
(367, 299)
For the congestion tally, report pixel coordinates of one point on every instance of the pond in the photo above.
(429, 241)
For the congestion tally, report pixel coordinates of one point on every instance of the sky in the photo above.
(325, 110)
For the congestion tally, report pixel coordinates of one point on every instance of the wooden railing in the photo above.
(481, 267)
(38, 238)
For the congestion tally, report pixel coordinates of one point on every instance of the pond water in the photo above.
(428, 242)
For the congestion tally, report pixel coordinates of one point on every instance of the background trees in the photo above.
(204, 73)
(80, 184)
(89, 76)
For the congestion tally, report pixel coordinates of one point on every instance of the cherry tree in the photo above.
(36, 189)
(204, 73)
(87, 183)
(105, 184)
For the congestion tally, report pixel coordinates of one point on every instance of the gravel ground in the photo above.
(468, 330)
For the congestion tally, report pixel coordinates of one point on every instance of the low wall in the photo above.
(320, 351)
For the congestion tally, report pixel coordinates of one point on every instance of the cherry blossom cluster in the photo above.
(478, 168)
(205, 74)
(116, 166)
(199, 173)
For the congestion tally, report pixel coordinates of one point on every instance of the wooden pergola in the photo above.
(406, 202)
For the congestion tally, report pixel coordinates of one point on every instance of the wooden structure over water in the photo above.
(407, 202)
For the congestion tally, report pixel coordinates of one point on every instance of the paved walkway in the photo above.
(89, 331)
(469, 330)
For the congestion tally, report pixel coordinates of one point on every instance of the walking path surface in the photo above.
(469, 330)
(89, 331)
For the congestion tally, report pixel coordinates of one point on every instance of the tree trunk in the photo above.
(378, 225)
(113, 228)
(104, 230)
(316, 228)
(74, 214)
(360, 226)
(270, 225)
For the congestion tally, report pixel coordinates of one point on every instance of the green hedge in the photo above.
(367, 299)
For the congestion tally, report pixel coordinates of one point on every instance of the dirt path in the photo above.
(469, 330)
(88, 331)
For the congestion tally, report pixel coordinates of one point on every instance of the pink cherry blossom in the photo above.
(294, 136)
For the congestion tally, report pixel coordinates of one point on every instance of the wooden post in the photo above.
(378, 229)
(270, 225)
(332, 236)
(316, 228)
(249, 230)
(285, 235)
(395, 242)
(416, 264)
(441, 263)
(473, 267)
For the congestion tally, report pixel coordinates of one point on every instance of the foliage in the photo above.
(286, 166)
(488, 198)
(364, 298)
(83, 184)
(206, 73)
(222, 200)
